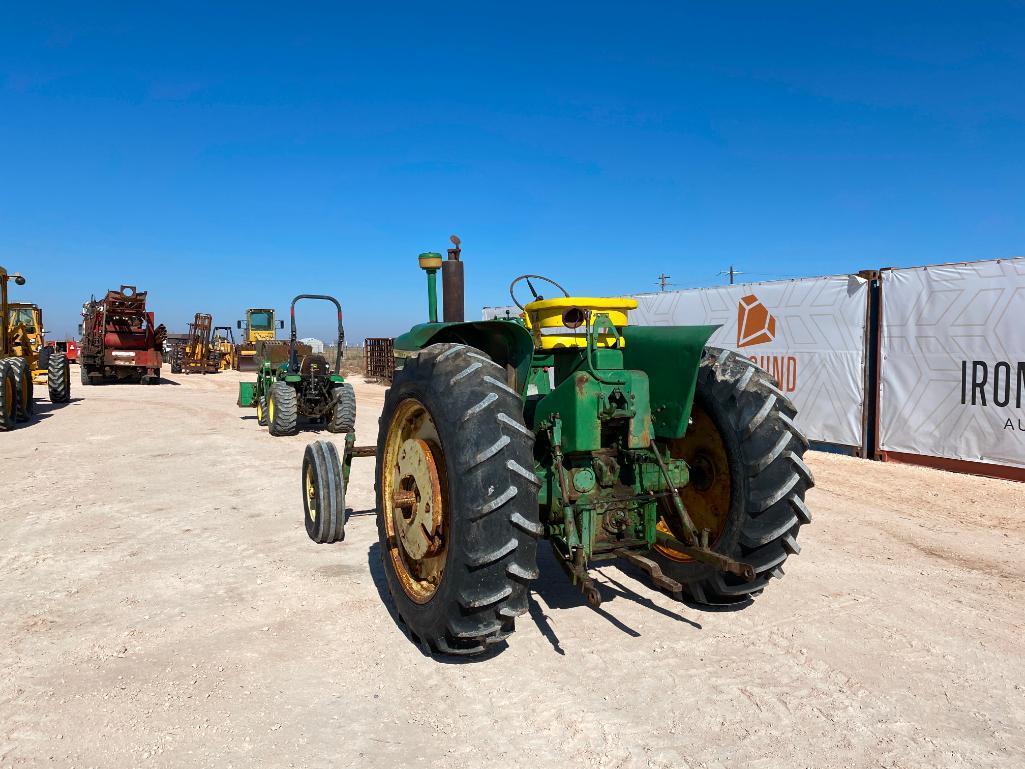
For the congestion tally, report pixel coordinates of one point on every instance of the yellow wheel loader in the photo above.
(25, 360)
(259, 331)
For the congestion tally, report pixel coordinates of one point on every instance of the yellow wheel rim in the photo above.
(259, 410)
(311, 494)
(708, 495)
(415, 501)
(270, 406)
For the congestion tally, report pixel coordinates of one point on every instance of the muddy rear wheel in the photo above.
(457, 499)
(748, 479)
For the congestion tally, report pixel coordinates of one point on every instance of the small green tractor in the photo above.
(293, 382)
(611, 441)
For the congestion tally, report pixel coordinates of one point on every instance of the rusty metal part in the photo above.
(363, 451)
(404, 499)
(696, 545)
(576, 570)
(414, 500)
(690, 533)
(452, 285)
(654, 571)
(718, 560)
(417, 499)
(709, 494)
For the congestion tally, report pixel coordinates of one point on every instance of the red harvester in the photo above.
(119, 340)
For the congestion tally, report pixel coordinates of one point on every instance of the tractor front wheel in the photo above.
(282, 409)
(58, 378)
(456, 499)
(261, 411)
(342, 418)
(323, 488)
(748, 479)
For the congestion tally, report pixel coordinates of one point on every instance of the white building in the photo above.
(316, 346)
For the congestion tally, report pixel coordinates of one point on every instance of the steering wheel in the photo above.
(533, 291)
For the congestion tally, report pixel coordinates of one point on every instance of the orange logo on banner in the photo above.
(755, 324)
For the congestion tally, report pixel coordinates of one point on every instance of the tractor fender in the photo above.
(507, 342)
(670, 355)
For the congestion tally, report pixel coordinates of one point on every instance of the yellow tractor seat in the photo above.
(569, 313)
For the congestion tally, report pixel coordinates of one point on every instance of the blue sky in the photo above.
(224, 155)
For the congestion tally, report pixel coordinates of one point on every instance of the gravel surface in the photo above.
(161, 605)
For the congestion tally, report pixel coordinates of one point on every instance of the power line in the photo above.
(663, 281)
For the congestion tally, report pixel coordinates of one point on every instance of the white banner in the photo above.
(953, 361)
(809, 334)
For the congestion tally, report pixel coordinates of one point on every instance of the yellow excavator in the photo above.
(259, 328)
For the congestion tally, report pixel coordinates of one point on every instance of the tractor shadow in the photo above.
(44, 409)
(558, 593)
(552, 587)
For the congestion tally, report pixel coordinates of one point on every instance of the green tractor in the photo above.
(609, 440)
(293, 382)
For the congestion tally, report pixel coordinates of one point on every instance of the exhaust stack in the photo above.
(452, 284)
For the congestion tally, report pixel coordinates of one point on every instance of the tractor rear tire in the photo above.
(8, 397)
(58, 378)
(451, 409)
(23, 384)
(763, 474)
(323, 487)
(342, 418)
(84, 373)
(283, 409)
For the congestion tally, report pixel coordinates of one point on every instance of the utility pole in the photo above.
(731, 272)
(663, 281)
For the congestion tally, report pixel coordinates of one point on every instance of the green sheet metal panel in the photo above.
(245, 394)
(670, 355)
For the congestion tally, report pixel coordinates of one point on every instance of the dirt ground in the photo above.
(161, 605)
